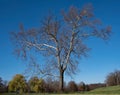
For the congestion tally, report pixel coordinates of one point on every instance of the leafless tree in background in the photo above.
(61, 41)
(72, 86)
(113, 78)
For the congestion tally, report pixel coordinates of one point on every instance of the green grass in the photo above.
(57, 94)
(106, 90)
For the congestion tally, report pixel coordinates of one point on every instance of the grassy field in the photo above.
(58, 94)
(55, 94)
(106, 90)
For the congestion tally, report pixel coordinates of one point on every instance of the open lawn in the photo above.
(56, 94)
(106, 90)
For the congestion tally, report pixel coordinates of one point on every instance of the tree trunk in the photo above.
(61, 81)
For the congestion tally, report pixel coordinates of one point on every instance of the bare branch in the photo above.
(47, 45)
(40, 46)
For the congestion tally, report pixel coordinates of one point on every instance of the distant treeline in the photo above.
(38, 85)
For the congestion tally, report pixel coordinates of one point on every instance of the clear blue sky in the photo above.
(103, 58)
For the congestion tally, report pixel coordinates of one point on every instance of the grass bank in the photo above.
(106, 90)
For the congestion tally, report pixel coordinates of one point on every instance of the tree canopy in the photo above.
(36, 84)
(18, 83)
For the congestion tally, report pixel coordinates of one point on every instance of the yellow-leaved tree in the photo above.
(18, 84)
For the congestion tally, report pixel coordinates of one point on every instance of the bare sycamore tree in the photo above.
(61, 41)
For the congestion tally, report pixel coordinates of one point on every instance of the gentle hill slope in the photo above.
(106, 90)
